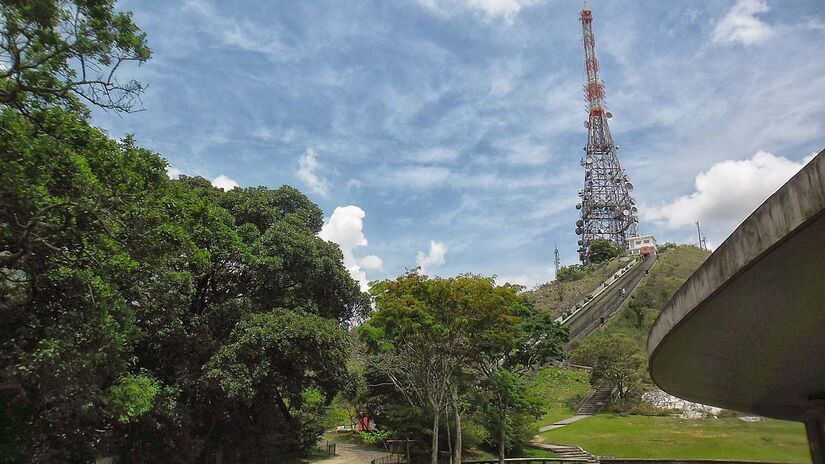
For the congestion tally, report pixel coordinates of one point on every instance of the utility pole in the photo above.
(703, 244)
(557, 260)
(607, 209)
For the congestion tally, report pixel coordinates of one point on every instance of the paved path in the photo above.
(562, 423)
(347, 453)
(565, 451)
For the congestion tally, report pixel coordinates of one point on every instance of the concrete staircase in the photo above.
(595, 402)
(569, 452)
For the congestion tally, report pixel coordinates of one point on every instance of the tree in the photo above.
(571, 273)
(56, 51)
(638, 312)
(505, 362)
(602, 250)
(78, 215)
(616, 361)
(266, 354)
(130, 303)
(420, 336)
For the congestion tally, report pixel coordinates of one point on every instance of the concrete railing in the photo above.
(602, 307)
(594, 295)
(523, 460)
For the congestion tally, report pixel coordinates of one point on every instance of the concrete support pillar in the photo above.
(816, 439)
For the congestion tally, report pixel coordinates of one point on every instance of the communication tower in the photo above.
(607, 208)
(556, 258)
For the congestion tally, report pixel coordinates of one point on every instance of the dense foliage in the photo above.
(456, 346)
(616, 361)
(67, 51)
(601, 250)
(157, 319)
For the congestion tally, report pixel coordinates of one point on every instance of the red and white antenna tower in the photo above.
(607, 208)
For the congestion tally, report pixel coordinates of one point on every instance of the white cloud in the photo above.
(507, 9)
(535, 276)
(727, 193)
(308, 173)
(224, 183)
(346, 228)
(420, 177)
(524, 280)
(173, 172)
(372, 262)
(434, 258)
(435, 155)
(741, 24)
(263, 133)
(236, 33)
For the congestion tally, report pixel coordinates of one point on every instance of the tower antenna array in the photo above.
(607, 209)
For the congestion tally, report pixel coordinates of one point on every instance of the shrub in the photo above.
(472, 434)
(375, 437)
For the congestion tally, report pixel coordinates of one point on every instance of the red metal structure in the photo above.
(607, 208)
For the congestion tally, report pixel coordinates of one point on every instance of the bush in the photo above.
(666, 246)
(572, 272)
(375, 437)
(472, 434)
(602, 250)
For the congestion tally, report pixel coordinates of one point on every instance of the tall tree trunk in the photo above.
(434, 452)
(449, 440)
(458, 440)
(501, 433)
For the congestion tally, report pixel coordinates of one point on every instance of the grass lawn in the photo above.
(558, 387)
(669, 437)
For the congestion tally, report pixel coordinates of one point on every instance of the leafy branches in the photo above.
(58, 51)
(437, 339)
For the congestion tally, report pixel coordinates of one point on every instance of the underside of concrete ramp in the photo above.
(747, 329)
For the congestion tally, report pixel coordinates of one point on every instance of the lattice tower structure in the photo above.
(607, 207)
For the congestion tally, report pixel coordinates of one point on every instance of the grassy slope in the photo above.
(560, 388)
(671, 270)
(668, 437)
(558, 297)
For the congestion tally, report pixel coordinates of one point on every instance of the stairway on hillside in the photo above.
(569, 452)
(595, 402)
(598, 310)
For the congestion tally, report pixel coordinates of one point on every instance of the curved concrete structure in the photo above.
(747, 329)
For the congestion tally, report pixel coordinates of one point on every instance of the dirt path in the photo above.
(347, 453)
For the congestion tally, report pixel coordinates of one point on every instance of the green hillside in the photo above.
(557, 297)
(635, 318)
(674, 438)
(562, 390)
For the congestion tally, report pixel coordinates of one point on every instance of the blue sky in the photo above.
(448, 132)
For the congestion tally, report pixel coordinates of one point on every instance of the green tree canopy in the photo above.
(59, 51)
(601, 250)
(436, 338)
(617, 361)
(132, 305)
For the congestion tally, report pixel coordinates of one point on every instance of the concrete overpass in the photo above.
(747, 329)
